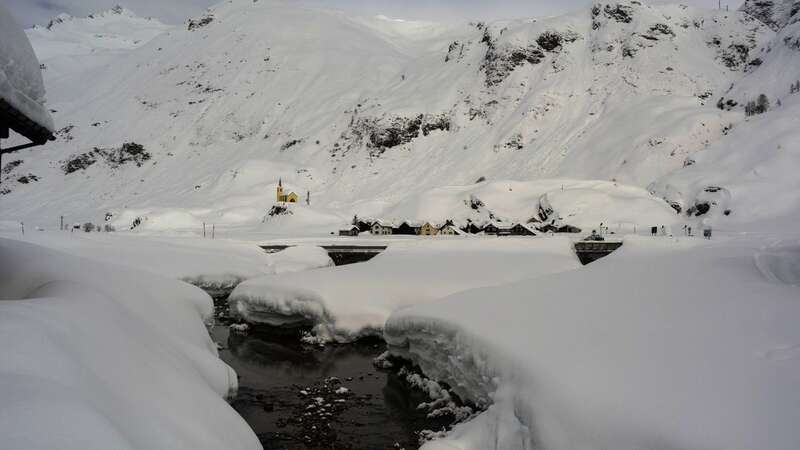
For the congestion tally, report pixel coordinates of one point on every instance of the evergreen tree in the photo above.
(749, 108)
(762, 104)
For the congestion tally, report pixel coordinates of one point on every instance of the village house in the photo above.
(381, 229)
(290, 197)
(451, 230)
(491, 228)
(522, 229)
(472, 228)
(428, 230)
(551, 228)
(497, 229)
(409, 228)
(364, 225)
(351, 231)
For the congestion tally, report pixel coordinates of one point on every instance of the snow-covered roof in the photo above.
(22, 90)
(455, 229)
(527, 227)
(498, 225)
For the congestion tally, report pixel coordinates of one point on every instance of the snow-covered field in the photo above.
(346, 302)
(98, 356)
(666, 344)
(214, 265)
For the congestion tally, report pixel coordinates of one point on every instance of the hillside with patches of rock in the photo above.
(366, 113)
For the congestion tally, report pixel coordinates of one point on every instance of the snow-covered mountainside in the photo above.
(369, 113)
(70, 46)
(776, 14)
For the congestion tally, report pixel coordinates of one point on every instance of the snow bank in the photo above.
(347, 301)
(299, 259)
(21, 82)
(211, 264)
(98, 357)
(664, 344)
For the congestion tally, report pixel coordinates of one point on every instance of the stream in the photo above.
(297, 396)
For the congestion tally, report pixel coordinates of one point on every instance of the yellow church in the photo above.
(291, 197)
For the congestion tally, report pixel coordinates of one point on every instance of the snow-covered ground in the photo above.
(98, 356)
(215, 265)
(582, 203)
(606, 115)
(666, 344)
(346, 302)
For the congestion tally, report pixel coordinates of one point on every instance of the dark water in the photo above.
(378, 411)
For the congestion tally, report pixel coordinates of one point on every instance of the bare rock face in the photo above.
(380, 134)
(196, 24)
(501, 59)
(774, 13)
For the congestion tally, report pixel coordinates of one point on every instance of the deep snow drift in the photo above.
(98, 356)
(666, 344)
(214, 265)
(21, 84)
(346, 302)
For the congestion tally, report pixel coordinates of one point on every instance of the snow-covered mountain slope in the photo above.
(367, 113)
(69, 46)
(774, 13)
(774, 67)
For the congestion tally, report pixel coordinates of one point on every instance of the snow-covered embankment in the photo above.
(346, 302)
(100, 356)
(663, 345)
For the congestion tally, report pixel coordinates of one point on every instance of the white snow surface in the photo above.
(347, 302)
(211, 264)
(299, 258)
(666, 344)
(757, 177)
(272, 90)
(215, 265)
(583, 203)
(98, 356)
(21, 82)
(70, 47)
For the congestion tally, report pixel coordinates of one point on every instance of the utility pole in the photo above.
(22, 224)
(61, 226)
(213, 229)
(204, 230)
